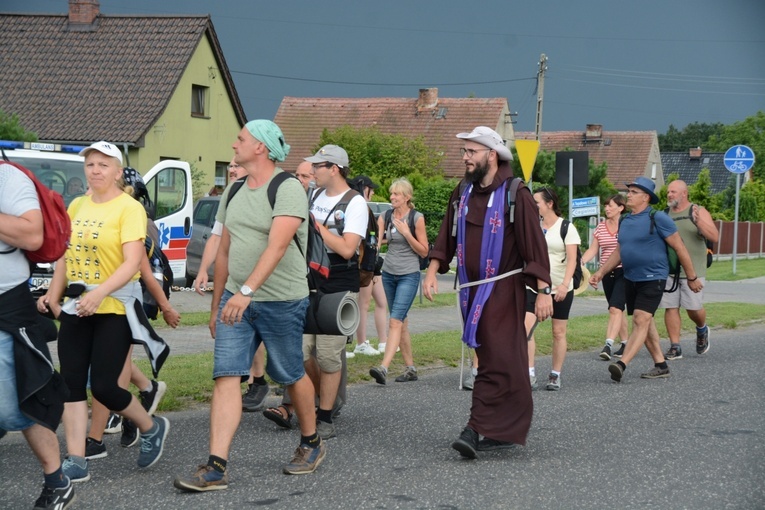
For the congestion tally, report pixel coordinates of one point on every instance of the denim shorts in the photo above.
(278, 324)
(400, 291)
(10, 414)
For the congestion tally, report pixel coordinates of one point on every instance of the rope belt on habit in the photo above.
(489, 280)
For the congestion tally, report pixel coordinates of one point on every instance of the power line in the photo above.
(647, 75)
(335, 82)
(667, 89)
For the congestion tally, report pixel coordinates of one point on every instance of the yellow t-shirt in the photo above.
(98, 233)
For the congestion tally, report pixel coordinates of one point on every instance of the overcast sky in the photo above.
(629, 65)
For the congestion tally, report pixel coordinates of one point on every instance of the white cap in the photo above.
(491, 139)
(104, 148)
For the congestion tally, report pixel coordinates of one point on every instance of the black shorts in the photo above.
(613, 285)
(560, 309)
(644, 296)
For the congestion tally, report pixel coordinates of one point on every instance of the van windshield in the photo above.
(63, 176)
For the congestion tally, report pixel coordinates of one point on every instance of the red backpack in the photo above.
(57, 227)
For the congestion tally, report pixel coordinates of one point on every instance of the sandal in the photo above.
(276, 415)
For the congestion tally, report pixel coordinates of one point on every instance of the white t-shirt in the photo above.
(17, 196)
(557, 251)
(355, 218)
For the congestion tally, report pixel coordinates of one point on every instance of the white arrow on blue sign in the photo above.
(739, 159)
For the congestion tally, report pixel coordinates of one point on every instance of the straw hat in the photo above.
(585, 281)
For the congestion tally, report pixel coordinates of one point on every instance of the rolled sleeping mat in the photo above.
(334, 314)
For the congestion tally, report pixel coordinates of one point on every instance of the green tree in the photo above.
(385, 157)
(11, 129)
(750, 132)
(693, 135)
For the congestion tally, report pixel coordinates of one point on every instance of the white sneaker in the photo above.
(349, 355)
(381, 348)
(367, 349)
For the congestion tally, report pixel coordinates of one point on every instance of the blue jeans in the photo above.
(10, 414)
(277, 323)
(400, 291)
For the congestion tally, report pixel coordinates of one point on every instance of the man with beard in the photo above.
(497, 256)
(695, 226)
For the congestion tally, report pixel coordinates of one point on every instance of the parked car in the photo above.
(204, 219)
(379, 208)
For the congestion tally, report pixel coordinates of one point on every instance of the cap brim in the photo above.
(316, 159)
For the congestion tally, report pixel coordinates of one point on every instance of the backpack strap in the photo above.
(512, 191)
(342, 204)
(388, 220)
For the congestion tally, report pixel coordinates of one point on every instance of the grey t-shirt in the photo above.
(248, 219)
(17, 196)
(401, 258)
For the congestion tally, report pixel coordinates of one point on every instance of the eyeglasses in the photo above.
(231, 167)
(316, 166)
(471, 152)
(635, 192)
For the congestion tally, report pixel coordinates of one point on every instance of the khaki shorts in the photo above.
(683, 297)
(330, 351)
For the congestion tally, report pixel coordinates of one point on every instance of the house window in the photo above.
(199, 101)
(221, 174)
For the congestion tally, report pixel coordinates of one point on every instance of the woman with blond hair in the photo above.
(400, 274)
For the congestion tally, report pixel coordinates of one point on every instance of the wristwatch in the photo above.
(246, 291)
(545, 290)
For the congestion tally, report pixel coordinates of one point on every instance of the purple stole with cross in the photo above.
(491, 252)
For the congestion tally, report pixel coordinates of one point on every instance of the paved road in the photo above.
(694, 440)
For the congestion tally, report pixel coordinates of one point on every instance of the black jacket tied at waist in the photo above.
(41, 390)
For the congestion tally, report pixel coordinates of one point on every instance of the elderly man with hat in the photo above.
(494, 263)
(643, 255)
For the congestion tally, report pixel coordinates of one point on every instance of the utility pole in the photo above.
(540, 92)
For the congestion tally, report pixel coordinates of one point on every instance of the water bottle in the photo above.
(158, 274)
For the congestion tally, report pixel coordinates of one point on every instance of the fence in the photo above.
(751, 239)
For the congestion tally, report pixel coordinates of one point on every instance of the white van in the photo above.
(169, 183)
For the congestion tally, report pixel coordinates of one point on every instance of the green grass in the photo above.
(722, 270)
(189, 377)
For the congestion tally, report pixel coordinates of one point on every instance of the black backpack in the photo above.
(159, 265)
(424, 261)
(317, 258)
(578, 269)
(368, 251)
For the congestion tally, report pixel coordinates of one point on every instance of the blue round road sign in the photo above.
(738, 159)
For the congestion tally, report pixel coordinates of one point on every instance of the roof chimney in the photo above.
(83, 12)
(695, 153)
(593, 132)
(428, 99)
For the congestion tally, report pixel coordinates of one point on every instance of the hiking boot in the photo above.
(409, 374)
(113, 424)
(95, 449)
(553, 382)
(76, 472)
(255, 398)
(702, 341)
(489, 445)
(605, 354)
(674, 353)
(205, 478)
(305, 460)
(325, 430)
(129, 434)
(468, 382)
(366, 349)
(150, 399)
(533, 381)
(656, 373)
(467, 443)
(616, 371)
(55, 498)
(378, 374)
(152, 445)
(619, 353)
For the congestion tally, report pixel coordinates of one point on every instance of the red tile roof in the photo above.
(112, 82)
(302, 120)
(629, 154)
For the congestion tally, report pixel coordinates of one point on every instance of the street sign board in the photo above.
(527, 154)
(739, 159)
(583, 207)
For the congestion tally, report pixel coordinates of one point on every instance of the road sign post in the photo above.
(738, 159)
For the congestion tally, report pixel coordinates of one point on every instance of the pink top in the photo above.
(607, 241)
